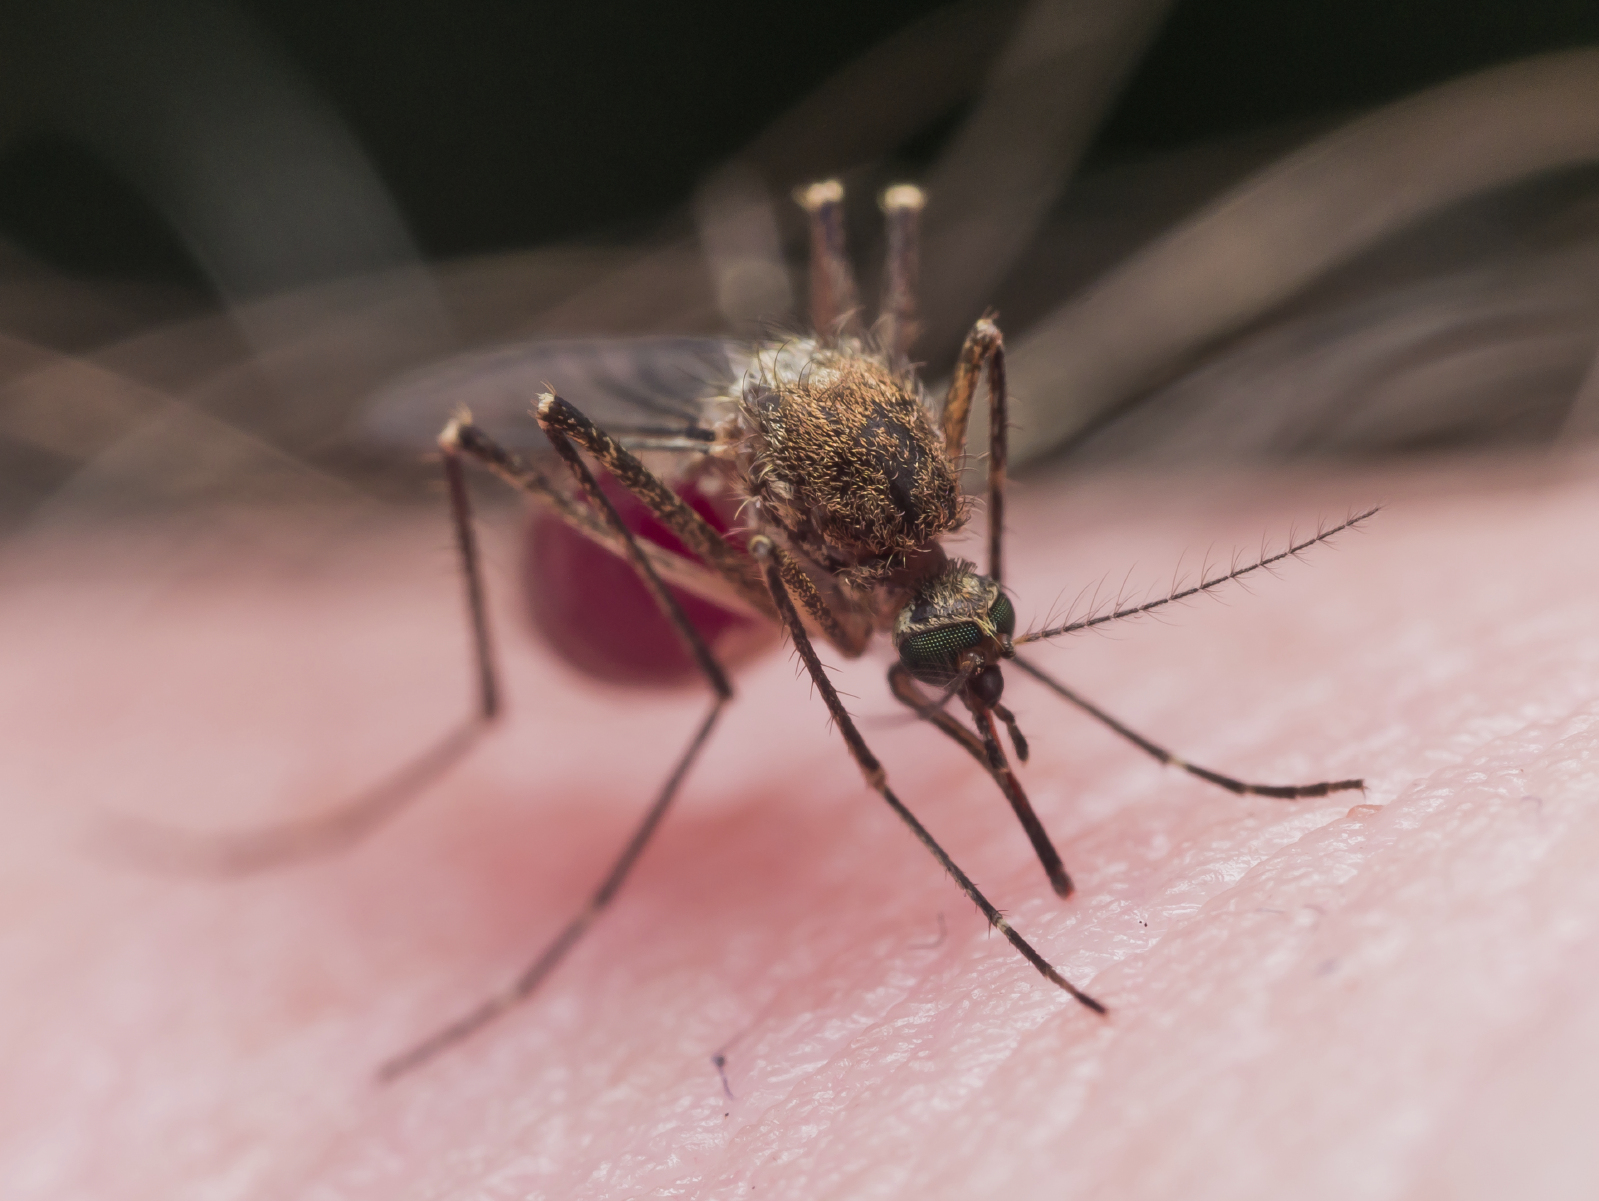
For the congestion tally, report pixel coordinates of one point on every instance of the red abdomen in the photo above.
(590, 606)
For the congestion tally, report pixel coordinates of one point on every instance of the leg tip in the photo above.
(1088, 1002)
(902, 197)
(818, 195)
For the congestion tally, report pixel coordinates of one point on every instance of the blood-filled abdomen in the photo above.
(590, 606)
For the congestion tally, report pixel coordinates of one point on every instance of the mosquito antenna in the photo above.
(1206, 586)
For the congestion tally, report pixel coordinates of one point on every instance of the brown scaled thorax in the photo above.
(840, 453)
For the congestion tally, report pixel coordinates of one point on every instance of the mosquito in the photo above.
(793, 487)
(837, 476)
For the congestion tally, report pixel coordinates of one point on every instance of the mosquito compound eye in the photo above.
(1003, 615)
(933, 656)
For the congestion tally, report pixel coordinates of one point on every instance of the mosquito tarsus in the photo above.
(850, 477)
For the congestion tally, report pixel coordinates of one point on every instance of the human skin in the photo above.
(1379, 995)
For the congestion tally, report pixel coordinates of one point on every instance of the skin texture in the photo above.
(1379, 996)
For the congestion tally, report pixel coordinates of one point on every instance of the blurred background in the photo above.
(253, 251)
(230, 232)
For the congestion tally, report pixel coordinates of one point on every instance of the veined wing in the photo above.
(654, 388)
(649, 392)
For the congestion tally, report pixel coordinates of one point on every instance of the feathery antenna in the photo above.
(1210, 585)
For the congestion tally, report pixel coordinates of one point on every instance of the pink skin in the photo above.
(1378, 996)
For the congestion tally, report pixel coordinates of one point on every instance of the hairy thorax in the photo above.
(841, 455)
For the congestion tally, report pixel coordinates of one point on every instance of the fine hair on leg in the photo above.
(849, 631)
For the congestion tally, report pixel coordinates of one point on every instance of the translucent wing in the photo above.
(655, 387)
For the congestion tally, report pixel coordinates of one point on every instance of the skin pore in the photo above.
(1378, 996)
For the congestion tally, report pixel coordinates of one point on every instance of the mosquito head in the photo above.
(957, 621)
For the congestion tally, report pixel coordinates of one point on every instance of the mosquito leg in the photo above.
(536, 972)
(969, 366)
(561, 420)
(676, 569)
(835, 308)
(1281, 791)
(986, 750)
(767, 553)
(237, 853)
(984, 348)
(1020, 805)
(849, 633)
(471, 570)
(241, 852)
(998, 445)
(903, 685)
(902, 209)
(558, 416)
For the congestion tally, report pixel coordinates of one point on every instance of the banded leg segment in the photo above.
(1280, 791)
(546, 962)
(768, 555)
